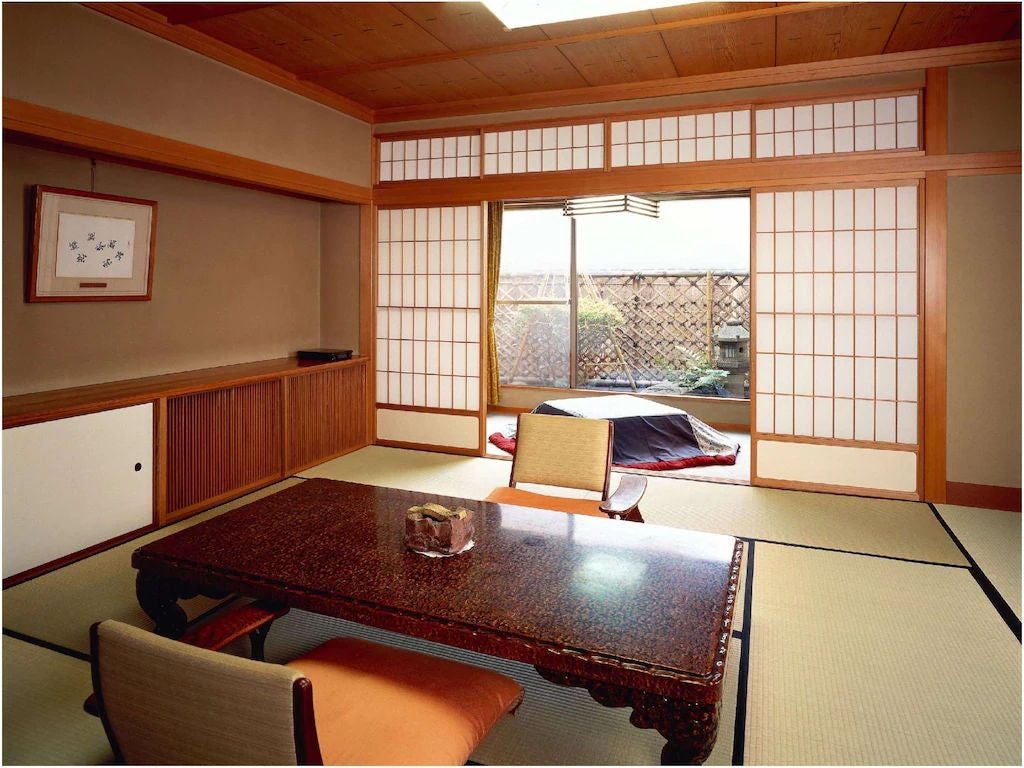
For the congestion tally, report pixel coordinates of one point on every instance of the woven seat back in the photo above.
(166, 702)
(563, 451)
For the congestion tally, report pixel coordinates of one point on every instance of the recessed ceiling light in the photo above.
(528, 13)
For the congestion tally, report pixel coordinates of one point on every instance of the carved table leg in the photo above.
(159, 599)
(691, 729)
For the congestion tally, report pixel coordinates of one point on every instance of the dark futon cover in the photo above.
(649, 435)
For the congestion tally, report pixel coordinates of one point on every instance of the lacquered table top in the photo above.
(660, 597)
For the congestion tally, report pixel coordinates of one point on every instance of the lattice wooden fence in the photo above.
(667, 319)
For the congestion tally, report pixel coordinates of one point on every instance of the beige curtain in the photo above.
(494, 215)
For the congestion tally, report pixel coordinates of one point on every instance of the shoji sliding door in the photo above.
(837, 339)
(428, 327)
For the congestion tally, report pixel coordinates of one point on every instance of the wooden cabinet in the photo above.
(210, 436)
(222, 443)
(320, 420)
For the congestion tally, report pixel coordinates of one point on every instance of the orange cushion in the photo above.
(376, 705)
(521, 498)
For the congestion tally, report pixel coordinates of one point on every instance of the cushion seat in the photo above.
(377, 705)
(521, 498)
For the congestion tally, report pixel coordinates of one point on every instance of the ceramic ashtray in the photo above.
(431, 529)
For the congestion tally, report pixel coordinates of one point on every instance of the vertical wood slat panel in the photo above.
(326, 415)
(220, 441)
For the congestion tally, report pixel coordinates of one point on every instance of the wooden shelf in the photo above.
(34, 407)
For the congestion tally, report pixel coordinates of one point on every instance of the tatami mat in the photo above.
(44, 723)
(858, 660)
(60, 606)
(993, 539)
(893, 528)
(554, 725)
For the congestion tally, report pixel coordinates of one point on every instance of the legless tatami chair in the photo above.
(348, 702)
(569, 452)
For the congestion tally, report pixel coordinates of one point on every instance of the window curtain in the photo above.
(494, 216)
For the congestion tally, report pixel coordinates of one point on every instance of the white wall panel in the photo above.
(886, 470)
(440, 429)
(72, 483)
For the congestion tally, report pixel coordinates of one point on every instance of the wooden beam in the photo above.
(695, 177)
(63, 129)
(934, 317)
(367, 309)
(722, 81)
(554, 42)
(156, 24)
(936, 110)
(189, 13)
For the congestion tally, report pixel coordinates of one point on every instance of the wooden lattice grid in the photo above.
(669, 319)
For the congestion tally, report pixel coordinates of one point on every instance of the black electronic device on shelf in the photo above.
(325, 355)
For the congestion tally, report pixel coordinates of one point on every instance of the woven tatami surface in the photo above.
(855, 659)
(862, 661)
(60, 606)
(992, 536)
(44, 723)
(892, 528)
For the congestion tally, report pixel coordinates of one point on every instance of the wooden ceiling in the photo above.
(423, 58)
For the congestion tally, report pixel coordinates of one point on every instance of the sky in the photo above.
(695, 234)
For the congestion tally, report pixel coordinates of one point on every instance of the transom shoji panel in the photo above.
(855, 125)
(837, 313)
(684, 138)
(553, 148)
(440, 157)
(428, 307)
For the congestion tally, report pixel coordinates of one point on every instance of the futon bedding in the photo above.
(648, 435)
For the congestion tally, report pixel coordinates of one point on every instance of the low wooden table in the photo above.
(639, 615)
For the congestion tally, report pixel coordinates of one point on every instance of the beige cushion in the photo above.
(377, 705)
(171, 703)
(564, 451)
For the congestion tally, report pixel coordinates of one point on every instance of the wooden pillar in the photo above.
(933, 369)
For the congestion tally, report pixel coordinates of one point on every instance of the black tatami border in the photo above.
(739, 732)
(64, 650)
(998, 602)
(47, 645)
(854, 552)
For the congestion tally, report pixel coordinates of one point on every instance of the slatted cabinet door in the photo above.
(837, 343)
(221, 443)
(324, 415)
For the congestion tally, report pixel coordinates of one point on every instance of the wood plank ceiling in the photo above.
(389, 56)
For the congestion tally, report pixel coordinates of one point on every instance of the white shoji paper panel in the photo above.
(428, 307)
(857, 125)
(837, 313)
(440, 157)
(685, 138)
(537, 150)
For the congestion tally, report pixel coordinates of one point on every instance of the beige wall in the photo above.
(984, 107)
(984, 330)
(236, 279)
(707, 409)
(66, 57)
(339, 276)
(887, 82)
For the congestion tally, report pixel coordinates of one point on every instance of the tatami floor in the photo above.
(871, 632)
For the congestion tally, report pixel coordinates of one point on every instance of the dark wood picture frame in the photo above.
(88, 289)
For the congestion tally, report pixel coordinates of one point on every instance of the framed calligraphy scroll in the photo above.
(88, 246)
